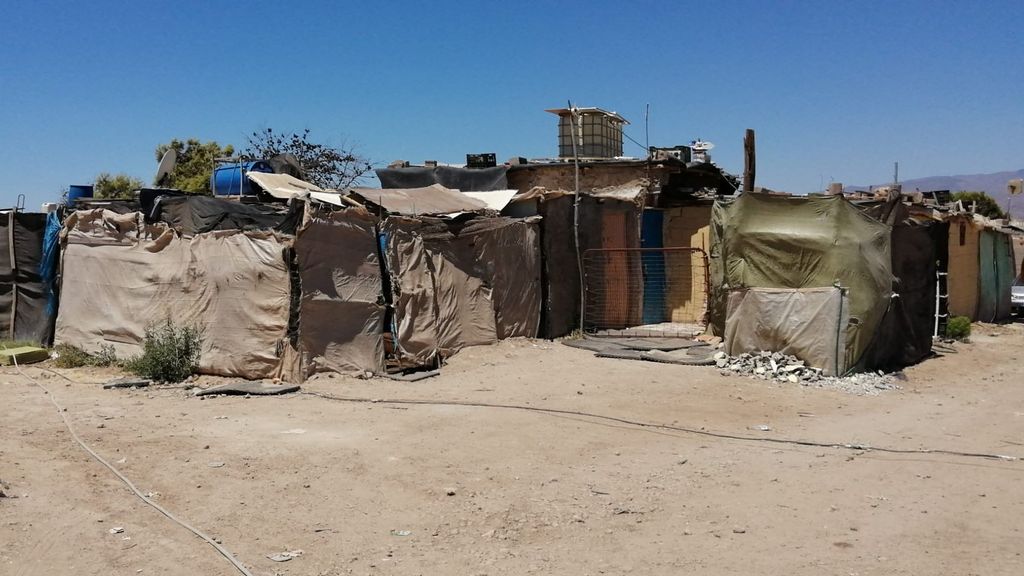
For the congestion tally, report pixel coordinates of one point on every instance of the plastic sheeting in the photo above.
(808, 323)
(341, 313)
(191, 215)
(769, 241)
(119, 275)
(432, 200)
(456, 284)
(23, 294)
(454, 177)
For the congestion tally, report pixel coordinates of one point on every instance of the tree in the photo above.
(986, 205)
(195, 164)
(323, 165)
(115, 186)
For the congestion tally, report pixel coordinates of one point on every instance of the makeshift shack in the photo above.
(807, 276)
(980, 269)
(27, 266)
(120, 274)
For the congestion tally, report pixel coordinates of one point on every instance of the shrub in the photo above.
(958, 328)
(69, 356)
(170, 353)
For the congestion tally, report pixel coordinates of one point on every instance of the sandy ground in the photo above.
(373, 488)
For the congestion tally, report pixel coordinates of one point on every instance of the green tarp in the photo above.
(995, 276)
(771, 241)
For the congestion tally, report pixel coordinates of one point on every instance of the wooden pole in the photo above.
(749, 161)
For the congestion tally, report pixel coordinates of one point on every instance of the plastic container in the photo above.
(230, 180)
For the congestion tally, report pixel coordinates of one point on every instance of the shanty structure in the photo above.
(981, 268)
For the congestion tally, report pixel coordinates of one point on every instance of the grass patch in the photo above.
(959, 328)
(170, 353)
(69, 356)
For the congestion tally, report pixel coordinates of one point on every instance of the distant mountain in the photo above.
(993, 184)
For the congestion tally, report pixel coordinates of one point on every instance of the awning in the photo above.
(286, 186)
(435, 199)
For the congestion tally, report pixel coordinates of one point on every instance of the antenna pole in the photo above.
(896, 172)
(573, 122)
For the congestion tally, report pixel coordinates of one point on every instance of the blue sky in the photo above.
(835, 90)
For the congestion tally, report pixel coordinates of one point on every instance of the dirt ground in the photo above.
(376, 488)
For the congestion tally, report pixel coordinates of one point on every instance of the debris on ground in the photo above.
(245, 387)
(128, 382)
(116, 530)
(285, 556)
(23, 355)
(780, 367)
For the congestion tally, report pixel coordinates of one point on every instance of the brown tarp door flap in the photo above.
(510, 253)
(807, 323)
(560, 312)
(120, 275)
(341, 312)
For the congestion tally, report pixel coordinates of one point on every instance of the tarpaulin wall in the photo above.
(23, 293)
(341, 311)
(119, 275)
(458, 284)
(456, 178)
(769, 241)
(905, 334)
(963, 269)
(687, 226)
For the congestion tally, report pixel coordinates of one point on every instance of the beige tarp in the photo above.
(461, 285)
(120, 275)
(434, 199)
(341, 311)
(807, 323)
(286, 186)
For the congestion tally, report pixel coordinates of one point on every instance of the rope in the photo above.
(224, 552)
(640, 424)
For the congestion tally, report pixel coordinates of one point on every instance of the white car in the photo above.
(1017, 296)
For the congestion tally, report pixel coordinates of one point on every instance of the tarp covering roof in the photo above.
(286, 186)
(769, 241)
(191, 215)
(454, 177)
(495, 199)
(432, 200)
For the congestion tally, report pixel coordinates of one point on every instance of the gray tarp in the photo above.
(341, 309)
(119, 275)
(457, 178)
(808, 323)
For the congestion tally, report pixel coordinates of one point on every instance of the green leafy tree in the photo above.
(195, 164)
(986, 205)
(111, 186)
(323, 165)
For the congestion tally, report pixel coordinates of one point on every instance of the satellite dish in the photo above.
(1015, 186)
(166, 166)
(286, 164)
(701, 145)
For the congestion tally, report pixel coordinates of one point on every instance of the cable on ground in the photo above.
(640, 424)
(223, 551)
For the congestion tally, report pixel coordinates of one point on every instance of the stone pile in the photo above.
(780, 367)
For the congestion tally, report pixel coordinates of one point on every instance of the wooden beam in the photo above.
(749, 161)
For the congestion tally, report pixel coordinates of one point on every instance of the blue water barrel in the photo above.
(76, 191)
(229, 180)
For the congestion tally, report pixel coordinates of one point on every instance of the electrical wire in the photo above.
(223, 551)
(641, 424)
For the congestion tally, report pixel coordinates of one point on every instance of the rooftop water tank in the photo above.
(230, 180)
(76, 191)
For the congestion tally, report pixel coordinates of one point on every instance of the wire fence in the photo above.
(645, 292)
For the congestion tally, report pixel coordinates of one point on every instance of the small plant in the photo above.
(170, 353)
(959, 328)
(69, 356)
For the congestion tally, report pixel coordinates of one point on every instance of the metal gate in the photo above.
(645, 292)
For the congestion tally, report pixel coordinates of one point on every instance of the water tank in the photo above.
(76, 191)
(230, 180)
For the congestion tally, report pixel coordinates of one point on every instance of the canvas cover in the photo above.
(454, 177)
(809, 323)
(431, 200)
(23, 294)
(341, 312)
(120, 274)
(774, 241)
(460, 283)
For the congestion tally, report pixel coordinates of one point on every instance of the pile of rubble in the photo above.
(784, 368)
